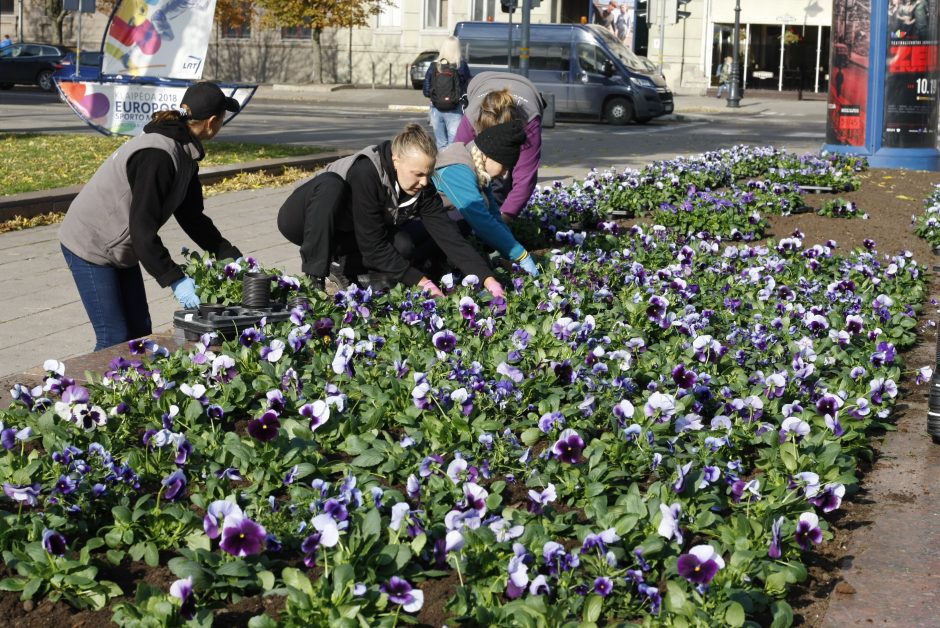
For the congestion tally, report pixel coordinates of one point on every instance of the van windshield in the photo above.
(623, 53)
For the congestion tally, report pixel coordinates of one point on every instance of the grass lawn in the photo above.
(35, 161)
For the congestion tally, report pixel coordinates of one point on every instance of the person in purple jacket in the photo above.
(488, 105)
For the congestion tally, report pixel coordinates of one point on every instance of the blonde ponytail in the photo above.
(414, 140)
(479, 167)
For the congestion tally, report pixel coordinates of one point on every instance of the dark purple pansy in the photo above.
(53, 542)
(568, 447)
(242, 537)
(264, 428)
(700, 565)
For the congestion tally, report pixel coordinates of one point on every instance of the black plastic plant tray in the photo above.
(228, 323)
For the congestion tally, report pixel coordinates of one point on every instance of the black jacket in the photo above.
(150, 173)
(373, 223)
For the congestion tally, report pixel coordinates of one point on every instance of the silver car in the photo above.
(419, 67)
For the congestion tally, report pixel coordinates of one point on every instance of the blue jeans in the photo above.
(114, 299)
(445, 125)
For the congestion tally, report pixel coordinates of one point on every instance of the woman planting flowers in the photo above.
(464, 177)
(378, 210)
(111, 226)
(497, 97)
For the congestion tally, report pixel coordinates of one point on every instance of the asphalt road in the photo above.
(569, 150)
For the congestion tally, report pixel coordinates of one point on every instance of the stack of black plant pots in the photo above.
(256, 290)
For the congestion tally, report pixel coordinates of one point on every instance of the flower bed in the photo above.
(928, 223)
(654, 430)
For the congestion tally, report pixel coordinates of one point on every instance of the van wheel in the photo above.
(618, 111)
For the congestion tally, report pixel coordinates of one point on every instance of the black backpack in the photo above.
(445, 86)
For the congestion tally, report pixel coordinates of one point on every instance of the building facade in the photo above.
(784, 45)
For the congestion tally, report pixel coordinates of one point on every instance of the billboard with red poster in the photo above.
(910, 115)
(848, 80)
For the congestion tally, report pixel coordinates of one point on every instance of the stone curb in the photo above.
(29, 204)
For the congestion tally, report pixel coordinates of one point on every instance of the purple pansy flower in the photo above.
(518, 577)
(175, 485)
(568, 447)
(53, 542)
(700, 565)
(829, 498)
(444, 341)
(603, 586)
(183, 590)
(400, 591)
(219, 510)
(242, 537)
(539, 499)
(264, 428)
(318, 412)
(26, 495)
(808, 532)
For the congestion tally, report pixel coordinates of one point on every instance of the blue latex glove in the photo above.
(528, 265)
(185, 292)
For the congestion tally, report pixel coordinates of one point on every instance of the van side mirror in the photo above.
(609, 69)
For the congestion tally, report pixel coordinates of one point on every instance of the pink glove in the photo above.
(494, 287)
(431, 288)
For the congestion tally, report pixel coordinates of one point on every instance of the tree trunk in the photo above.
(56, 14)
(318, 71)
(59, 26)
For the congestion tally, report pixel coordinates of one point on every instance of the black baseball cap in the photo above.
(205, 100)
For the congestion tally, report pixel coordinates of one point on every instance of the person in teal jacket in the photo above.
(462, 176)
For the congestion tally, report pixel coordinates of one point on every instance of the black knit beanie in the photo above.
(502, 142)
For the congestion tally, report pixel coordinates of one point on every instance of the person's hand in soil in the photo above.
(508, 218)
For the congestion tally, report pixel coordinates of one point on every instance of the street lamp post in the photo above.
(734, 93)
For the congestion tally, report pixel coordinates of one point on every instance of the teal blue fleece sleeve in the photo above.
(459, 183)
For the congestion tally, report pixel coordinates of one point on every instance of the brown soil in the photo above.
(890, 197)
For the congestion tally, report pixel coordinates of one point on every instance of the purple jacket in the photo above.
(525, 174)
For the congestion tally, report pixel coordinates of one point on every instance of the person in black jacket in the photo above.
(378, 210)
(111, 227)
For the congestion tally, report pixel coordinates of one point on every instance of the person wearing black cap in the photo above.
(111, 227)
(463, 176)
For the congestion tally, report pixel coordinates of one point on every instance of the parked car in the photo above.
(30, 64)
(586, 68)
(88, 70)
(419, 67)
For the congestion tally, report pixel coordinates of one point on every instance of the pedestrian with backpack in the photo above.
(445, 84)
